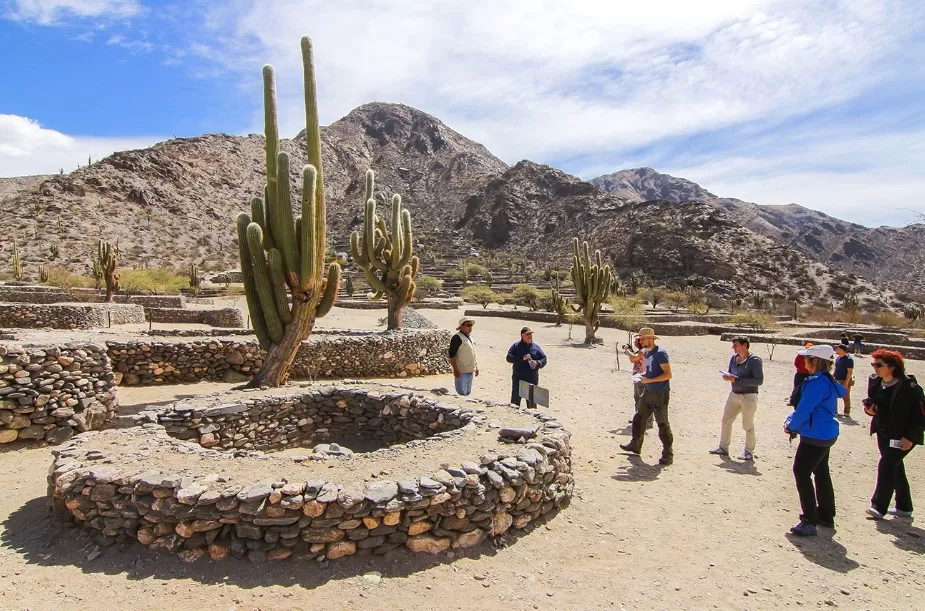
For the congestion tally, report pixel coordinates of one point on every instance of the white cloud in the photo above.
(27, 148)
(49, 12)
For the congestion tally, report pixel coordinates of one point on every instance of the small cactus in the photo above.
(348, 286)
(489, 278)
(384, 256)
(17, 263)
(43, 274)
(559, 306)
(195, 280)
(53, 251)
(106, 257)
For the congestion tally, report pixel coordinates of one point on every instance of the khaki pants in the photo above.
(747, 405)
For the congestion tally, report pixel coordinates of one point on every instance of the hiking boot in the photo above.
(746, 455)
(720, 451)
(874, 513)
(804, 529)
(900, 513)
(666, 460)
(629, 447)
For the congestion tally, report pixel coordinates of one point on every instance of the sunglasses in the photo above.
(878, 365)
(466, 324)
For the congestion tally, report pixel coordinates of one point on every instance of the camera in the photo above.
(625, 347)
(866, 402)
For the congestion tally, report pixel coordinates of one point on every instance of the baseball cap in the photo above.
(525, 330)
(819, 352)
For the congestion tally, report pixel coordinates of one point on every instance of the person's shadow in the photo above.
(905, 535)
(824, 551)
(739, 467)
(637, 471)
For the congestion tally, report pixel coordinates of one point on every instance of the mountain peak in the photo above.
(646, 184)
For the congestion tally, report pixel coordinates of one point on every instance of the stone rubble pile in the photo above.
(198, 512)
(49, 394)
(150, 363)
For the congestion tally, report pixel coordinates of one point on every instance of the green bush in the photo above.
(479, 294)
(62, 278)
(754, 320)
(427, 286)
(527, 295)
(155, 280)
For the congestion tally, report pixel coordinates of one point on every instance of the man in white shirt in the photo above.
(462, 356)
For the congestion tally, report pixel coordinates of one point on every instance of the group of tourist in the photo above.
(824, 374)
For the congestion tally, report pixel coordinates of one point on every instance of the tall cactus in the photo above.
(195, 280)
(592, 285)
(348, 286)
(282, 258)
(97, 273)
(386, 258)
(106, 257)
(43, 274)
(16, 263)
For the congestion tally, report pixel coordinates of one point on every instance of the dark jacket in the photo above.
(749, 375)
(522, 370)
(903, 416)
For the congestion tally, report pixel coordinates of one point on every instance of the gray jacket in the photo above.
(749, 375)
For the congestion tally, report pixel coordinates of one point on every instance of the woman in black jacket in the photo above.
(895, 402)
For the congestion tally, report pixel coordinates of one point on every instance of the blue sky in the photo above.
(773, 101)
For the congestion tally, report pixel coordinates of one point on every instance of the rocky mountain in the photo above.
(175, 202)
(534, 211)
(894, 257)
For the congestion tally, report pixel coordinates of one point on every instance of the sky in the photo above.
(815, 102)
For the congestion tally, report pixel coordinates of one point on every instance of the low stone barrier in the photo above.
(199, 332)
(428, 304)
(69, 315)
(143, 484)
(47, 394)
(151, 363)
(908, 351)
(52, 294)
(628, 324)
(214, 317)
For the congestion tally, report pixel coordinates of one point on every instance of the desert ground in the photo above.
(705, 532)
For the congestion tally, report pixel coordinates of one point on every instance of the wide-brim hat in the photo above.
(647, 332)
(463, 321)
(820, 352)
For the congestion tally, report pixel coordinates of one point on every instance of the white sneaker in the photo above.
(746, 455)
(900, 513)
(872, 512)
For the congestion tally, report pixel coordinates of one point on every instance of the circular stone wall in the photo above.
(443, 478)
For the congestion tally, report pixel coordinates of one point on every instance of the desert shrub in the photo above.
(888, 319)
(527, 295)
(481, 295)
(426, 286)
(544, 301)
(675, 300)
(62, 278)
(754, 320)
(454, 274)
(476, 270)
(652, 295)
(156, 280)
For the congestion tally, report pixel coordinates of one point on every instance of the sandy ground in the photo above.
(702, 533)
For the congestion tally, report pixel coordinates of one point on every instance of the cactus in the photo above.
(54, 251)
(195, 281)
(559, 306)
(348, 286)
(17, 263)
(97, 273)
(592, 286)
(282, 258)
(386, 258)
(107, 260)
(489, 278)
(60, 225)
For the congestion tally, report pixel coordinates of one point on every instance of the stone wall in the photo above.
(628, 324)
(326, 354)
(908, 351)
(50, 294)
(69, 315)
(214, 317)
(195, 513)
(46, 394)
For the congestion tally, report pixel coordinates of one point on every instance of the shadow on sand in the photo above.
(739, 467)
(905, 536)
(824, 551)
(637, 471)
(30, 532)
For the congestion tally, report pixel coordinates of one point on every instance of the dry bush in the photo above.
(63, 278)
(754, 320)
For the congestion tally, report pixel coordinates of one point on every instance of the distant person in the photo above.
(527, 358)
(655, 396)
(844, 373)
(844, 338)
(639, 367)
(896, 402)
(462, 356)
(814, 421)
(746, 373)
(858, 343)
(801, 374)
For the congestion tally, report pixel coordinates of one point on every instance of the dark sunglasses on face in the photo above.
(467, 324)
(878, 365)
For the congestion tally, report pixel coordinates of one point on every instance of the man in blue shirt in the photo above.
(654, 399)
(844, 373)
(528, 358)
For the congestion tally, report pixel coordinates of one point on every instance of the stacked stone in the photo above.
(47, 394)
(47, 294)
(68, 315)
(390, 354)
(457, 506)
(198, 332)
(147, 363)
(270, 423)
(215, 317)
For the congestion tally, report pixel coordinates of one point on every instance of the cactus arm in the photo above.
(278, 284)
(310, 273)
(271, 132)
(262, 282)
(313, 146)
(395, 259)
(375, 282)
(359, 253)
(283, 229)
(331, 286)
(406, 238)
(374, 296)
(415, 266)
(250, 287)
(406, 289)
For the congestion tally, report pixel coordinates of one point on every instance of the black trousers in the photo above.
(515, 391)
(817, 502)
(798, 379)
(649, 404)
(891, 477)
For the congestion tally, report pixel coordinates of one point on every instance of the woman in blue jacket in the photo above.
(814, 421)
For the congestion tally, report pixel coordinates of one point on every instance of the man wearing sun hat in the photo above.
(462, 356)
(654, 399)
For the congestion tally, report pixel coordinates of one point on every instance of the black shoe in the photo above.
(666, 460)
(628, 447)
(825, 523)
